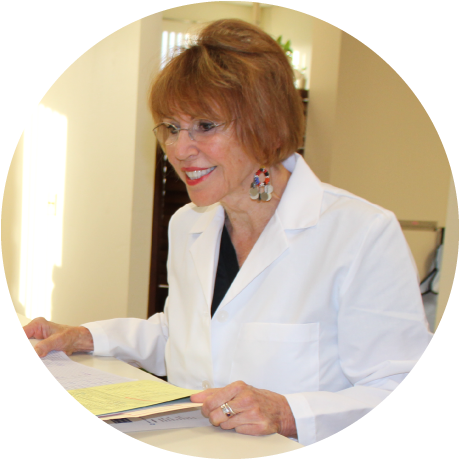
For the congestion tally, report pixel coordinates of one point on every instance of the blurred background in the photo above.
(84, 198)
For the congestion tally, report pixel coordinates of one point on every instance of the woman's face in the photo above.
(213, 170)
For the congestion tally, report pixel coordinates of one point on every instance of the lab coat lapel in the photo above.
(299, 208)
(205, 252)
(270, 245)
(205, 249)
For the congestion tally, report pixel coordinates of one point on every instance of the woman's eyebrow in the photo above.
(170, 120)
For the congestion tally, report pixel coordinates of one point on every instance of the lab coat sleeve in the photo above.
(136, 341)
(382, 332)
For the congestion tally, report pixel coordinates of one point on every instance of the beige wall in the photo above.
(385, 146)
(369, 134)
(144, 169)
(210, 11)
(107, 203)
(449, 261)
(291, 25)
(11, 225)
(322, 105)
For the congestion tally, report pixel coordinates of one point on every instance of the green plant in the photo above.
(286, 47)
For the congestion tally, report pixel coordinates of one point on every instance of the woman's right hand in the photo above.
(52, 336)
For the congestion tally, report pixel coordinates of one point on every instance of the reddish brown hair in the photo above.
(235, 72)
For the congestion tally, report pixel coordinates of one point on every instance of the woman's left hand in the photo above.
(258, 412)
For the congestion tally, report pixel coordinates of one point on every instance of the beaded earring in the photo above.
(256, 192)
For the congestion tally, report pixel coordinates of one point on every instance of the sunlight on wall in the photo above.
(45, 142)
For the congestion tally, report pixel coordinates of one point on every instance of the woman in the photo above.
(293, 304)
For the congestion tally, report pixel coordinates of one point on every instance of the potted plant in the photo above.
(300, 79)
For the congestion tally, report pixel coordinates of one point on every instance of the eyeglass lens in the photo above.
(201, 130)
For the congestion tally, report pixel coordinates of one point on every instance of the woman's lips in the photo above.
(194, 176)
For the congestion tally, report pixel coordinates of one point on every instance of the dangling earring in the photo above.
(256, 192)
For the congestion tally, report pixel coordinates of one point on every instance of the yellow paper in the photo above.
(118, 397)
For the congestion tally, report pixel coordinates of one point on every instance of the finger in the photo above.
(202, 395)
(30, 331)
(54, 342)
(42, 350)
(222, 396)
(219, 418)
(34, 329)
(243, 423)
(234, 423)
(253, 429)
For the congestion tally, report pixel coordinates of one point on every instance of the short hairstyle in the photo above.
(236, 72)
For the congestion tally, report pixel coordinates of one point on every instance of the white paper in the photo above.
(150, 411)
(188, 419)
(74, 376)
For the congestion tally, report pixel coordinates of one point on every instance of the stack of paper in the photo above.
(110, 396)
(120, 397)
(73, 376)
(185, 419)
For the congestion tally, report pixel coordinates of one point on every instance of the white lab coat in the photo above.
(326, 309)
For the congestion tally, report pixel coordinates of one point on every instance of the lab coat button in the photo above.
(222, 316)
(205, 384)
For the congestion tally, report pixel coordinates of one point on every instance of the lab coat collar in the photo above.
(300, 205)
(208, 214)
(299, 208)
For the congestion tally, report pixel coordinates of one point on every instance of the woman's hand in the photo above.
(258, 412)
(58, 337)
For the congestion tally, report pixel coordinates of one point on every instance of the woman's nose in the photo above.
(184, 146)
(189, 131)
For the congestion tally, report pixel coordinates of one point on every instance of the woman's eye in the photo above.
(172, 129)
(205, 126)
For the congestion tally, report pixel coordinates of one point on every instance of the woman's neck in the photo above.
(246, 219)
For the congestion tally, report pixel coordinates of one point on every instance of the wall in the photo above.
(11, 225)
(291, 25)
(322, 103)
(450, 252)
(369, 134)
(107, 203)
(386, 147)
(144, 171)
(210, 11)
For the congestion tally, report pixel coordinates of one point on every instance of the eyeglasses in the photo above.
(200, 131)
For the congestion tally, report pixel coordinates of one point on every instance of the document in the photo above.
(119, 397)
(150, 411)
(74, 376)
(110, 396)
(189, 419)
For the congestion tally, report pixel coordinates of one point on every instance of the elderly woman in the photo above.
(294, 305)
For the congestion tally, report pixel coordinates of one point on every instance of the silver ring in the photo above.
(227, 410)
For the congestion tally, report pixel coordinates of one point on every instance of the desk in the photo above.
(204, 442)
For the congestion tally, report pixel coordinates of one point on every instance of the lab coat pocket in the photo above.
(278, 357)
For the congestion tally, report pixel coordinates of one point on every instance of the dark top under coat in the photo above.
(227, 269)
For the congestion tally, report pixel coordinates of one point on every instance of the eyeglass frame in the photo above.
(189, 130)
